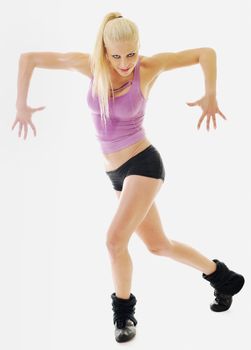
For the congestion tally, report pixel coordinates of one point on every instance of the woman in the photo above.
(120, 81)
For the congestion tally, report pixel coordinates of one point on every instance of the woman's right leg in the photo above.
(136, 198)
(122, 268)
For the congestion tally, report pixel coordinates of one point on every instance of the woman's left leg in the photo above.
(151, 232)
(225, 282)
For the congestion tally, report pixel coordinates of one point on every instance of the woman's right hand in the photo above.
(23, 116)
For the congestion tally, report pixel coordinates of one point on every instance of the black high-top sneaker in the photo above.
(123, 317)
(226, 283)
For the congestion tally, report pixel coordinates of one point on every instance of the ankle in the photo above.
(211, 268)
(122, 296)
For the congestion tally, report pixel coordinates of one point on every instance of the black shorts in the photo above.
(147, 163)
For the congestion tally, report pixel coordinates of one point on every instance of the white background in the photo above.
(56, 202)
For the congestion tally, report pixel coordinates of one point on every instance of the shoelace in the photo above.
(123, 313)
(222, 298)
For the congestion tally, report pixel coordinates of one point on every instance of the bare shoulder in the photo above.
(74, 61)
(164, 61)
(149, 70)
(81, 63)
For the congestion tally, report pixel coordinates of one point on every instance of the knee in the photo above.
(163, 249)
(115, 246)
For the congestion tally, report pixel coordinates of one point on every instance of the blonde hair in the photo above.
(112, 29)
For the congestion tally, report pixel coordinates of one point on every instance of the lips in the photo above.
(124, 70)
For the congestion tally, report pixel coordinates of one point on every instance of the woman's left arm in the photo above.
(208, 102)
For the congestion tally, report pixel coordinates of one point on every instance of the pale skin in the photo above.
(137, 211)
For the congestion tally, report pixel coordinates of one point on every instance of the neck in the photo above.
(115, 76)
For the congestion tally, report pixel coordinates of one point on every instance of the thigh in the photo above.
(150, 230)
(135, 200)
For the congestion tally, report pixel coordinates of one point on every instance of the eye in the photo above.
(130, 55)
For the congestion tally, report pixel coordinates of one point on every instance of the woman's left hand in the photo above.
(209, 107)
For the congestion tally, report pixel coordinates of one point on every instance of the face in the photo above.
(122, 55)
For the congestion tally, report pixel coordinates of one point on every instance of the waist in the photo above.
(113, 160)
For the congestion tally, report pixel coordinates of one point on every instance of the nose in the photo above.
(124, 65)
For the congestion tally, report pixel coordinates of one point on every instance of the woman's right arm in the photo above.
(25, 70)
(76, 61)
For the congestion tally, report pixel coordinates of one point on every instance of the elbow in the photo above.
(27, 56)
(24, 54)
(210, 49)
(207, 52)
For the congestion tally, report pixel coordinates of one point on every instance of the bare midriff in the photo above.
(113, 160)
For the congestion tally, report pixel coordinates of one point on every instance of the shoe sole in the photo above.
(125, 338)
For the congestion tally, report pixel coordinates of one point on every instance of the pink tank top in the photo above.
(124, 127)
